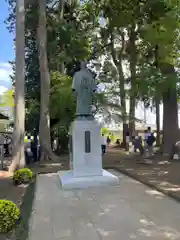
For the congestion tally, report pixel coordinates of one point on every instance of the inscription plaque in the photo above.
(87, 142)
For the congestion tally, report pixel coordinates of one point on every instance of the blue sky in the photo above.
(6, 39)
(6, 49)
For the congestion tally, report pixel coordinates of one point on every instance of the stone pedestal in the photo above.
(86, 158)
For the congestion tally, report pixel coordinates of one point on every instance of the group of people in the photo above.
(147, 147)
(143, 144)
(32, 150)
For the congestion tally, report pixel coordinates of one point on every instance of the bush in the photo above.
(22, 176)
(9, 216)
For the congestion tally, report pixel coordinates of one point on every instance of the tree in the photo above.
(61, 114)
(44, 125)
(61, 92)
(113, 37)
(155, 25)
(120, 36)
(18, 159)
(160, 33)
(111, 100)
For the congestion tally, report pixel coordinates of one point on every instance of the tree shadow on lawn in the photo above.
(22, 231)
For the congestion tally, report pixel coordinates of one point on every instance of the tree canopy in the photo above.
(139, 42)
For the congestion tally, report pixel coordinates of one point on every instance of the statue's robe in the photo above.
(83, 87)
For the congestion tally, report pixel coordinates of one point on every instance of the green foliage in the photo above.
(32, 115)
(62, 103)
(68, 37)
(110, 100)
(62, 107)
(104, 131)
(63, 138)
(22, 176)
(7, 99)
(9, 215)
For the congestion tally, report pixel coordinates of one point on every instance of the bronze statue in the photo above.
(83, 88)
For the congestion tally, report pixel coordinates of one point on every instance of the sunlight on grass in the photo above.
(152, 230)
(163, 173)
(104, 232)
(155, 193)
(146, 222)
(164, 162)
(172, 189)
(52, 164)
(169, 187)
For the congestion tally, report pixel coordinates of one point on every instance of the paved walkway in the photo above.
(159, 172)
(128, 211)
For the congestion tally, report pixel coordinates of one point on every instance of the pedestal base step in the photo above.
(70, 182)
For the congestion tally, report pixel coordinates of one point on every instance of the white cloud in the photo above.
(5, 71)
(3, 89)
(5, 65)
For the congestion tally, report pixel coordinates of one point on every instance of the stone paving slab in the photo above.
(127, 211)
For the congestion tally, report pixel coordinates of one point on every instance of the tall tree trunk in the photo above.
(170, 121)
(158, 138)
(132, 117)
(117, 59)
(123, 102)
(18, 159)
(44, 127)
(132, 53)
(61, 9)
(170, 111)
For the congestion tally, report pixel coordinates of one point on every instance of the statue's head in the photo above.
(83, 64)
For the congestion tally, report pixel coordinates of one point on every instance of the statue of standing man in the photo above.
(83, 87)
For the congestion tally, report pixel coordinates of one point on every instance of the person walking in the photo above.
(27, 150)
(108, 140)
(103, 144)
(34, 146)
(151, 139)
(138, 144)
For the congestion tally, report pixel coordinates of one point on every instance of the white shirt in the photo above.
(103, 140)
(147, 135)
